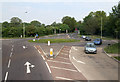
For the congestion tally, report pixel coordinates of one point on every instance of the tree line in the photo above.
(91, 25)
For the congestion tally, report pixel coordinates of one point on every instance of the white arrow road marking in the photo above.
(79, 61)
(28, 67)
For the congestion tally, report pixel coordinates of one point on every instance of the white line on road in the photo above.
(59, 50)
(48, 67)
(74, 48)
(63, 78)
(39, 51)
(35, 47)
(12, 45)
(79, 61)
(59, 62)
(9, 63)
(63, 53)
(10, 54)
(6, 76)
(43, 57)
(43, 51)
(63, 58)
(12, 49)
(64, 69)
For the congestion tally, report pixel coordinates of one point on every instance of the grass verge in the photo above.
(54, 40)
(112, 48)
(118, 58)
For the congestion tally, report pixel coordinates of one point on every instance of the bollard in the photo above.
(33, 39)
(48, 43)
(51, 52)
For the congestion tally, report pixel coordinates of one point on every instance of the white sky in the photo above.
(49, 11)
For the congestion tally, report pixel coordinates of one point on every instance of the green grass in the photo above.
(54, 40)
(97, 36)
(112, 48)
(118, 58)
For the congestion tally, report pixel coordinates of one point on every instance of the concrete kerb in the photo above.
(111, 56)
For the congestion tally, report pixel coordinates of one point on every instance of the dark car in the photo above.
(87, 39)
(98, 41)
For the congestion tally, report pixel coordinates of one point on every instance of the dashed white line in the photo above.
(59, 62)
(6, 76)
(12, 49)
(63, 78)
(9, 63)
(48, 67)
(64, 69)
(10, 54)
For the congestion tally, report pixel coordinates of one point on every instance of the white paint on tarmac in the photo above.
(63, 58)
(48, 67)
(63, 53)
(43, 57)
(11, 54)
(63, 69)
(24, 47)
(9, 63)
(12, 49)
(63, 78)
(6, 76)
(74, 48)
(12, 46)
(59, 62)
(39, 51)
(78, 61)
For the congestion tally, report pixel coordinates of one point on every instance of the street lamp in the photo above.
(101, 27)
(24, 28)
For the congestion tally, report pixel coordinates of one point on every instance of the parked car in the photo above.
(87, 39)
(98, 41)
(90, 48)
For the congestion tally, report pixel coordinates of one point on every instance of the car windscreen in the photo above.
(90, 45)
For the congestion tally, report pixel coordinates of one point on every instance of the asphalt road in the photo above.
(16, 52)
(14, 56)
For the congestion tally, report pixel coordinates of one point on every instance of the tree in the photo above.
(15, 22)
(5, 24)
(71, 22)
(35, 23)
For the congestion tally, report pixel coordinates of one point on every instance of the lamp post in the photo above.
(101, 27)
(24, 28)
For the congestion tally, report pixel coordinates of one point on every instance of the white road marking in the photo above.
(63, 58)
(0, 48)
(24, 47)
(74, 48)
(79, 61)
(63, 78)
(73, 64)
(6, 76)
(59, 62)
(12, 49)
(48, 67)
(60, 50)
(39, 51)
(12, 45)
(43, 52)
(9, 63)
(43, 57)
(64, 69)
(64, 53)
(35, 47)
(10, 54)
(28, 67)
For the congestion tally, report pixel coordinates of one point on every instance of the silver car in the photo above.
(90, 48)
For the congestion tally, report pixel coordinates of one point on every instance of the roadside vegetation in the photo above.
(54, 40)
(91, 25)
(114, 48)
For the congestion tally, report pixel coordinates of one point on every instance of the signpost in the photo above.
(51, 52)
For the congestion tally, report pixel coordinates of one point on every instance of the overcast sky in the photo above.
(48, 12)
